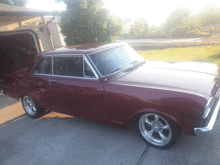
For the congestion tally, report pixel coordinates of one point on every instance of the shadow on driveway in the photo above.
(64, 140)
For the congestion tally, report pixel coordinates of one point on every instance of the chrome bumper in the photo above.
(199, 130)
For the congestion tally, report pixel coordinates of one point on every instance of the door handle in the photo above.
(52, 81)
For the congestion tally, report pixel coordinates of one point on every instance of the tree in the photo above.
(176, 18)
(14, 2)
(139, 28)
(157, 31)
(177, 24)
(87, 21)
(209, 15)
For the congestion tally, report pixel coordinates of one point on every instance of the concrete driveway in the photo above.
(61, 139)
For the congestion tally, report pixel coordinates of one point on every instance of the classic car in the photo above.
(112, 83)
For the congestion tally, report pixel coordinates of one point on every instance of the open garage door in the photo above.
(17, 51)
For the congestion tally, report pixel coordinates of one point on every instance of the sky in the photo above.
(156, 11)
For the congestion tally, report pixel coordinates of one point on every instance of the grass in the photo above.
(209, 54)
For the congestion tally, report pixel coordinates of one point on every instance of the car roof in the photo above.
(82, 49)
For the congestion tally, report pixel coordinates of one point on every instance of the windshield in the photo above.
(112, 60)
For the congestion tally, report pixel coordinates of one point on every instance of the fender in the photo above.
(187, 129)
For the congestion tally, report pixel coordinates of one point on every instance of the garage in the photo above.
(24, 33)
(17, 51)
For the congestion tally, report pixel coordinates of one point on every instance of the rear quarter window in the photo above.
(44, 66)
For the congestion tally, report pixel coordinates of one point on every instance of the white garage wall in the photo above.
(55, 35)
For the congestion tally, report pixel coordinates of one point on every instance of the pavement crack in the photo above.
(49, 146)
(144, 154)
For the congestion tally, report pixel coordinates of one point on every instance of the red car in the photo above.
(114, 84)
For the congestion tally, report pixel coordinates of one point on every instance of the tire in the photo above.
(31, 107)
(157, 131)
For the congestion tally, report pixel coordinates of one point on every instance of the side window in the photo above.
(44, 66)
(68, 66)
(88, 71)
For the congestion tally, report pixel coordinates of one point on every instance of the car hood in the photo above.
(194, 77)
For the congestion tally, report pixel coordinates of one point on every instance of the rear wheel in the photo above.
(31, 107)
(157, 131)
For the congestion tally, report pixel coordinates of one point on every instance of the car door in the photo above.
(36, 83)
(76, 88)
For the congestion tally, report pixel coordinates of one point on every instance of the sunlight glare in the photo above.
(155, 11)
(47, 5)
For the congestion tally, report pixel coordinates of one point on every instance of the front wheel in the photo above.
(157, 131)
(31, 107)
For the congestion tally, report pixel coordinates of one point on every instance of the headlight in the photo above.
(209, 106)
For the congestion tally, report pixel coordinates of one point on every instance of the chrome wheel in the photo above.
(29, 105)
(155, 129)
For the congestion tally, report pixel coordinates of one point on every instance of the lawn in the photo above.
(201, 53)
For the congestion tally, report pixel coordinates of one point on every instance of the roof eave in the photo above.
(19, 13)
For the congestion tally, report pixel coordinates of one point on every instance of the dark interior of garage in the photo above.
(17, 51)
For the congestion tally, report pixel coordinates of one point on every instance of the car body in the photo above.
(116, 85)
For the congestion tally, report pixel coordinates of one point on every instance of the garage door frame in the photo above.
(25, 31)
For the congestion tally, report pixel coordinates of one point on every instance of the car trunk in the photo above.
(17, 51)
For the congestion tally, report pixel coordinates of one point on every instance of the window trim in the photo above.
(52, 66)
(88, 63)
(68, 55)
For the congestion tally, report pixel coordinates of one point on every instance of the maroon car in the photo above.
(113, 84)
